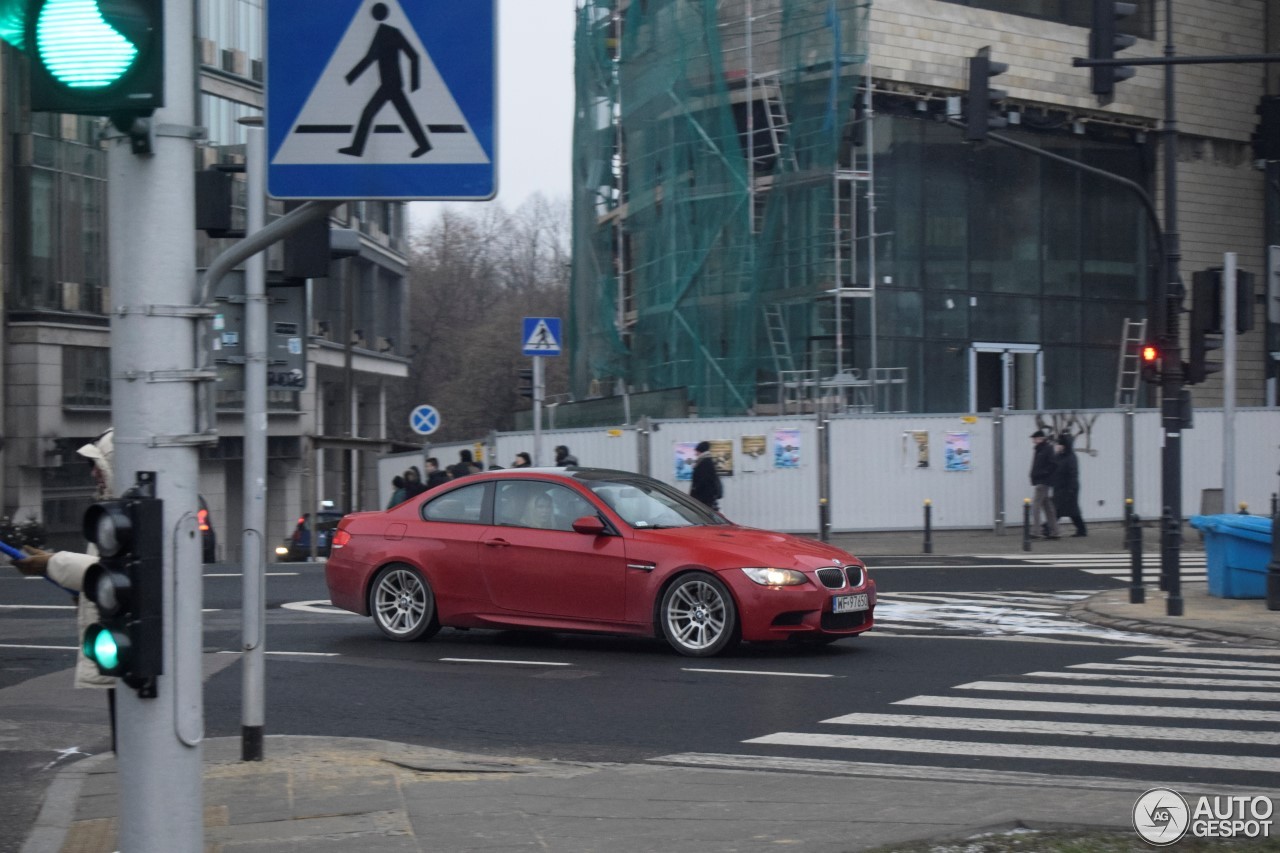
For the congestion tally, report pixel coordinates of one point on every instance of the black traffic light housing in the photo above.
(1266, 139)
(979, 115)
(526, 382)
(127, 585)
(1105, 39)
(112, 65)
(1205, 326)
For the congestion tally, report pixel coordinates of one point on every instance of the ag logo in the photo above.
(1161, 816)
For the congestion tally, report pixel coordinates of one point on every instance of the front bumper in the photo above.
(778, 613)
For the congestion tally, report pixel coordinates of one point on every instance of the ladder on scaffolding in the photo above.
(1133, 337)
(794, 386)
(779, 125)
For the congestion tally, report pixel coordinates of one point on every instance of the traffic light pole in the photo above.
(153, 386)
(1172, 417)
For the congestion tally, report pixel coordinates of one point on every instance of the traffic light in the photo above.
(526, 382)
(1205, 326)
(96, 57)
(1149, 357)
(1105, 39)
(1266, 139)
(979, 115)
(127, 585)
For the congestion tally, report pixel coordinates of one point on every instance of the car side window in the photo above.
(541, 505)
(465, 504)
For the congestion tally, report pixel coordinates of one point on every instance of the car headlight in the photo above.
(776, 577)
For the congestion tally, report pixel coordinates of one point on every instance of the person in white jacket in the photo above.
(67, 568)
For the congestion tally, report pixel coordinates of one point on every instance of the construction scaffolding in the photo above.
(724, 204)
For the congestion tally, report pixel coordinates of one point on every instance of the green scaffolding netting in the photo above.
(708, 143)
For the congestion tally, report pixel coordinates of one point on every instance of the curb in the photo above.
(1084, 611)
(49, 832)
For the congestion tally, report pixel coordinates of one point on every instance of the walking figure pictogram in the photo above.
(388, 43)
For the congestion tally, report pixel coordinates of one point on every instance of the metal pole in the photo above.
(538, 392)
(1026, 524)
(253, 577)
(154, 316)
(1228, 381)
(1273, 568)
(928, 526)
(1171, 375)
(1133, 532)
(997, 468)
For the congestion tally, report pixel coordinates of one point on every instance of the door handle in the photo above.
(496, 543)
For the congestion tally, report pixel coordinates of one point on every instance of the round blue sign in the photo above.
(424, 420)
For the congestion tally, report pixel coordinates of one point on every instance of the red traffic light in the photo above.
(1150, 354)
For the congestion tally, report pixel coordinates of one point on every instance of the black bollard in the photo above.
(928, 526)
(1026, 524)
(824, 520)
(1133, 533)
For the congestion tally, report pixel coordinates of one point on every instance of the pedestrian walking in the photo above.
(465, 466)
(434, 475)
(523, 460)
(413, 485)
(564, 458)
(1044, 515)
(706, 487)
(1066, 483)
(398, 494)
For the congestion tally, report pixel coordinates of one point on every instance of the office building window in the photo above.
(86, 377)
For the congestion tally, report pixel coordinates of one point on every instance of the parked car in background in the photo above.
(297, 546)
(208, 538)
(594, 551)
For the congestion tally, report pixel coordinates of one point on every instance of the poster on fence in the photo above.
(915, 448)
(957, 453)
(685, 455)
(722, 453)
(786, 448)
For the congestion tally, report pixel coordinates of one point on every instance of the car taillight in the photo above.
(340, 538)
(202, 516)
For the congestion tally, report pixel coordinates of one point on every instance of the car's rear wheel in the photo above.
(403, 605)
(698, 616)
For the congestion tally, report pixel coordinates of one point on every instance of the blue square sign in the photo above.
(381, 99)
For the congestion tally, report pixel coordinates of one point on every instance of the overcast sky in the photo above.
(535, 104)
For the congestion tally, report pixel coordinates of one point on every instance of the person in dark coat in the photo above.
(413, 485)
(522, 461)
(398, 494)
(1066, 483)
(564, 458)
(465, 467)
(1044, 514)
(434, 475)
(706, 480)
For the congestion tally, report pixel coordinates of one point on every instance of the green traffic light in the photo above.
(78, 47)
(103, 648)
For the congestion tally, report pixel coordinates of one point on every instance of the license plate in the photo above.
(849, 603)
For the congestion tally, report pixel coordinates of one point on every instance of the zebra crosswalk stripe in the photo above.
(1173, 712)
(1095, 690)
(1026, 751)
(1057, 727)
(1263, 684)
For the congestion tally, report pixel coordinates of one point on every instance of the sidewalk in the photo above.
(350, 794)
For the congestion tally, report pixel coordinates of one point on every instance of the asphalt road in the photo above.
(944, 681)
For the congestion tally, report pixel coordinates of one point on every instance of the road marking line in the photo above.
(1024, 751)
(56, 648)
(757, 672)
(241, 574)
(1205, 668)
(513, 662)
(273, 652)
(1218, 650)
(1152, 692)
(1259, 684)
(37, 607)
(1201, 662)
(1058, 727)
(863, 769)
(1147, 711)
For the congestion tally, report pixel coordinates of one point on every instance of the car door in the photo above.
(446, 546)
(538, 565)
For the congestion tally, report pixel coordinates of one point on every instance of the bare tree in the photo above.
(472, 278)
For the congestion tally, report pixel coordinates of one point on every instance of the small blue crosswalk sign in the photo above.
(424, 419)
(541, 336)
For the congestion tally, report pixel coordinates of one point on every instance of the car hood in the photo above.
(748, 546)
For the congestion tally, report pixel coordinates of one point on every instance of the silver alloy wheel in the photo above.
(698, 616)
(402, 603)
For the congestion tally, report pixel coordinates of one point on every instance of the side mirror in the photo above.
(589, 525)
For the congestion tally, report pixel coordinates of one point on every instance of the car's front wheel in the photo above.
(402, 604)
(698, 616)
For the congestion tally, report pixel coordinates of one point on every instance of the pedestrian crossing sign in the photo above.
(381, 99)
(541, 336)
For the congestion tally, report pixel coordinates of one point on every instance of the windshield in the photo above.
(649, 504)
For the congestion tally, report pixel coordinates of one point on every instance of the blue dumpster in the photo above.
(1237, 550)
